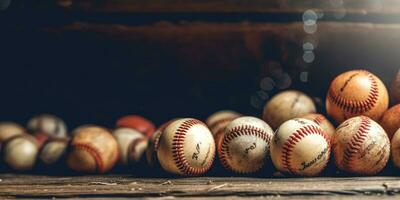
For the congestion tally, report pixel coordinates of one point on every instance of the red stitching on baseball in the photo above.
(236, 132)
(295, 138)
(353, 106)
(318, 119)
(92, 151)
(179, 154)
(356, 142)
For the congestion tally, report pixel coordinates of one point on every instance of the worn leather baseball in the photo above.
(186, 147)
(395, 149)
(354, 93)
(300, 147)
(93, 150)
(395, 89)
(287, 105)
(138, 123)
(390, 121)
(48, 124)
(245, 145)
(152, 147)
(322, 121)
(53, 150)
(132, 145)
(361, 146)
(20, 152)
(10, 129)
(217, 123)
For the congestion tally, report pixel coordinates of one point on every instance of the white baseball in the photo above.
(20, 152)
(132, 144)
(48, 124)
(186, 147)
(10, 129)
(53, 150)
(300, 147)
(245, 145)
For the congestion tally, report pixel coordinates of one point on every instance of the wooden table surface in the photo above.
(126, 186)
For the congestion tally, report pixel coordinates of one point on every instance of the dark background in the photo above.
(92, 66)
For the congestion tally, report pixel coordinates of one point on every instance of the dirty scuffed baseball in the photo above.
(53, 150)
(245, 145)
(139, 123)
(287, 105)
(93, 150)
(360, 146)
(132, 145)
(48, 124)
(10, 129)
(300, 147)
(217, 123)
(354, 93)
(390, 121)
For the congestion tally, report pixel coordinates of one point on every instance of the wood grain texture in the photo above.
(124, 186)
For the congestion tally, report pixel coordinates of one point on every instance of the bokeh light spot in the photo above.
(310, 29)
(308, 46)
(267, 84)
(284, 82)
(256, 101)
(310, 17)
(304, 76)
(308, 56)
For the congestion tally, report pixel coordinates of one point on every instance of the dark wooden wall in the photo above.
(93, 61)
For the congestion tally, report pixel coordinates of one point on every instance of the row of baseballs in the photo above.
(300, 145)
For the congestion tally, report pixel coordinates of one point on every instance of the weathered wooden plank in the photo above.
(126, 186)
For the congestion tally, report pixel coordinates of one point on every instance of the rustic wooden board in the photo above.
(124, 186)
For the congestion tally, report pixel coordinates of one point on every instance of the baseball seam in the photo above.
(94, 152)
(237, 132)
(356, 142)
(354, 106)
(178, 150)
(319, 119)
(298, 135)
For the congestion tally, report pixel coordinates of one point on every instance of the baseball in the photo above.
(395, 148)
(151, 151)
(186, 147)
(53, 150)
(390, 121)
(360, 146)
(93, 149)
(300, 147)
(354, 93)
(132, 145)
(138, 123)
(217, 123)
(287, 105)
(395, 88)
(322, 121)
(10, 129)
(48, 124)
(20, 152)
(245, 145)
